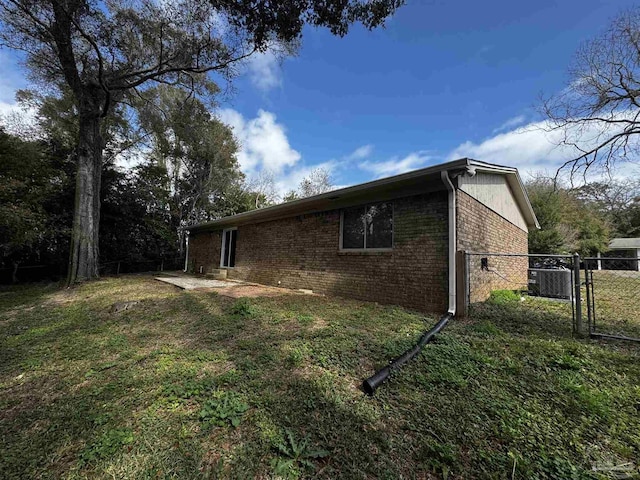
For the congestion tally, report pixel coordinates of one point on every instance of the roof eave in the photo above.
(307, 203)
(310, 204)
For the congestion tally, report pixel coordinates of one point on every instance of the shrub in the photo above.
(502, 297)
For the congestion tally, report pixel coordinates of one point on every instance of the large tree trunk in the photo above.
(83, 258)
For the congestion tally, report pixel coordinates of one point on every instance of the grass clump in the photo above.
(107, 445)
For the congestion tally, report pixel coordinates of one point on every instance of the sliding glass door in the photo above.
(228, 253)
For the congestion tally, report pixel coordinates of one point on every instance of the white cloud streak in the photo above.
(511, 123)
(397, 165)
(265, 147)
(360, 153)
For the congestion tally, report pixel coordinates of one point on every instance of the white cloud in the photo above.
(533, 148)
(511, 123)
(263, 142)
(7, 108)
(265, 151)
(17, 119)
(396, 165)
(265, 70)
(360, 153)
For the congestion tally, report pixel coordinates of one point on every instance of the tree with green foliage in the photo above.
(195, 149)
(36, 199)
(567, 223)
(106, 52)
(22, 216)
(618, 201)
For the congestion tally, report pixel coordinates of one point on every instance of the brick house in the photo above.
(395, 240)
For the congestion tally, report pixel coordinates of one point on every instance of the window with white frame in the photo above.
(367, 227)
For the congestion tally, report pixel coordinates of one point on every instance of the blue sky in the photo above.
(443, 79)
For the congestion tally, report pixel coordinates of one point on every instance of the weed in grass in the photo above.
(305, 320)
(439, 457)
(297, 353)
(108, 444)
(596, 402)
(294, 456)
(242, 308)
(188, 389)
(225, 408)
(567, 361)
(486, 328)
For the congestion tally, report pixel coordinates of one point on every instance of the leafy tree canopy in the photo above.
(567, 223)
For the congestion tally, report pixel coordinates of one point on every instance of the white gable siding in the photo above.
(494, 192)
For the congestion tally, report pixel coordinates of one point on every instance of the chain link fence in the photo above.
(523, 293)
(562, 295)
(30, 273)
(119, 267)
(612, 287)
(54, 273)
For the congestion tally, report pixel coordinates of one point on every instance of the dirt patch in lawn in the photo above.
(254, 290)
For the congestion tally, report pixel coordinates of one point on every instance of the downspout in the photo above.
(452, 241)
(186, 257)
(373, 382)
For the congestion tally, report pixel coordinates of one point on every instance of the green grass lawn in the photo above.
(190, 384)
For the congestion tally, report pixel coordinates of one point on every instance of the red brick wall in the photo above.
(480, 229)
(303, 252)
(204, 251)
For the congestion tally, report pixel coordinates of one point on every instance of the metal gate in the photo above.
(612, 287)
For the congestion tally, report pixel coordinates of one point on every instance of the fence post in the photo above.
(162, 265)
(577, 296)
(467, 279)
(118, 270)
(587, 284)
(461, 284)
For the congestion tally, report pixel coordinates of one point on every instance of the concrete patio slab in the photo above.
(191, 283)
(228, 288)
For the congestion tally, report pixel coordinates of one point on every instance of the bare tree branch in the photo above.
(598, 113)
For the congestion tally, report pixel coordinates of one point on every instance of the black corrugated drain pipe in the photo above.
(374, 381)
